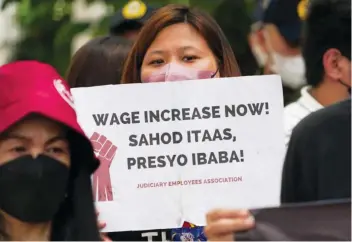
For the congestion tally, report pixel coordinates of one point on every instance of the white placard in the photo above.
(176, 150)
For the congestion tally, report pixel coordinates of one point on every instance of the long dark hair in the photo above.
(173, 14)
(98, 62)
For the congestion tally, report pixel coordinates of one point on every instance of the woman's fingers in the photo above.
(104, 237)
(216, 214)
(223, 224)
(101, 225)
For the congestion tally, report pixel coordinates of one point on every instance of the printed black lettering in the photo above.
(176, 137)
(212, 158)
(182, 160)
(154, 139)
(131, 162)
(163, 115)
(201, 158)
(256, 108)
(161, 161)
(206, 113)
(206, 136)
(143, 140)
(171, 160)
(101, 119)
(154, 116)
(196, 114)
(114, 119)
(223, 157)
(133, 140)
(176, 114)
(230, 111)
(186, 114)
(234, 157)
(146, 117)
(125, 118)
(217, 135)
(216, 111)
(227, 134)
(141, 162)
(242, 110)
(135, 117)
(166, 138)
(151, 162)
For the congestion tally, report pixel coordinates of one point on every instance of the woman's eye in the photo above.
(19, 149)
(156, 62)
(56, 150)
(189, 58)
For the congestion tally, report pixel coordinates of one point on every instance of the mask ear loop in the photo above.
(216, 72)
(217, 69)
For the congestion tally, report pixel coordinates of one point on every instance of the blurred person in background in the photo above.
(129, 20)
(234, 21)
(318, 159)
(283, 39)
(179, 43)
(256, 39)
(98, 62)
(46, 161)
(327, 56)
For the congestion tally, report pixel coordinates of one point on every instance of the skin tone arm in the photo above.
(222, 224)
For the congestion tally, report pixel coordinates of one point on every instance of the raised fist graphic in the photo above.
(105, 151)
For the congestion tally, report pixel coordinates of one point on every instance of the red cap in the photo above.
(32, 87)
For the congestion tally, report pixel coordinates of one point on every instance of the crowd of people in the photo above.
(46, 160)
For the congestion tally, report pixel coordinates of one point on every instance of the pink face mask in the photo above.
(174, 72)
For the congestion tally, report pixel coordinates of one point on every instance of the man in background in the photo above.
(318, 159)
(256, 38)
(128, 21)
(327, 56)
(282, 34)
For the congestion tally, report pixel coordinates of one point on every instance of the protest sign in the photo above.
(172, 151)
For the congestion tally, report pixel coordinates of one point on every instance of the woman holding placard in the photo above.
(179, 43)
(45, 159)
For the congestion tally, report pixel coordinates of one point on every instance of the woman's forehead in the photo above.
(178, 36)
(33, 125)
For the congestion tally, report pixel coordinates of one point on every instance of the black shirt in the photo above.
(318, 159)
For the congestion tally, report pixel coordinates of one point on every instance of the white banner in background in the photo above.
(170, 152)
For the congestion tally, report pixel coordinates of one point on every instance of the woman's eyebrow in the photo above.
(56, 138)
(7, 136)
(156, 52)
(188, 47)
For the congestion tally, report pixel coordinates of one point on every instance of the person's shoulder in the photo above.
(323, 117)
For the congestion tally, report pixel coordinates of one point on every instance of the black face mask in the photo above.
(32, 189)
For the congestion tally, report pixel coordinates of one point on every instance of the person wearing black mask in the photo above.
(45, 159)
